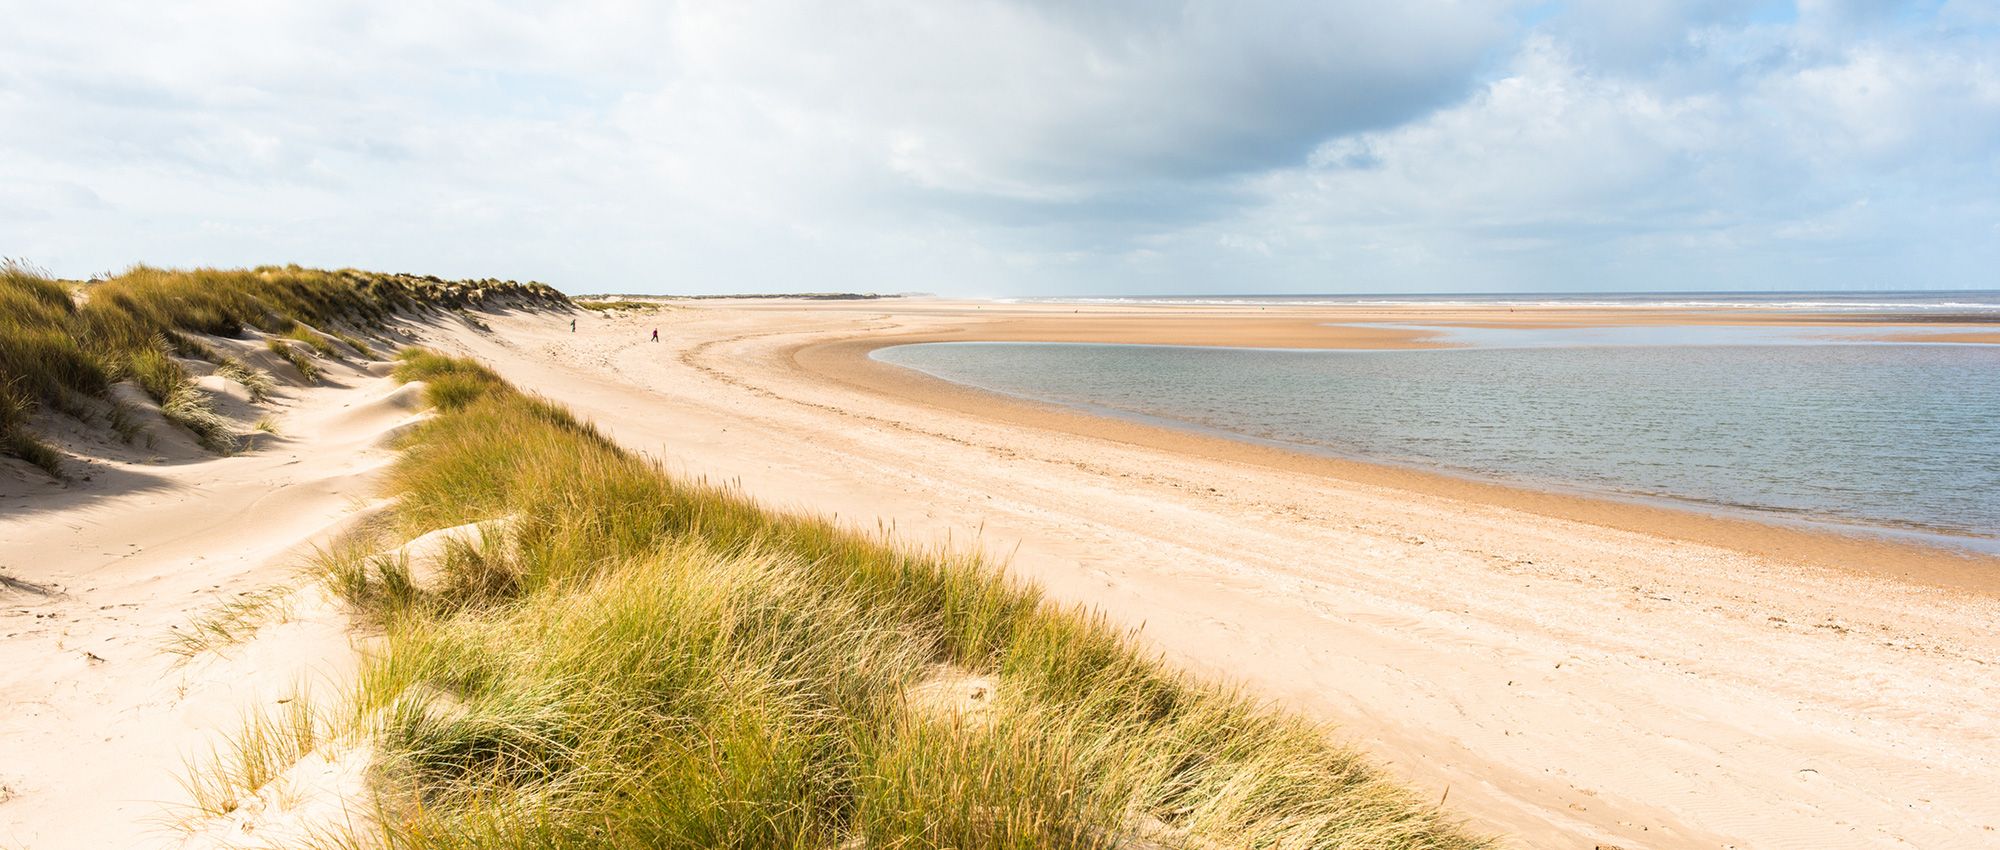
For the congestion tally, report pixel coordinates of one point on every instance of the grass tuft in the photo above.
(189, 408)
(303, 362)
(359, 345)
(15, 441)
(41, 359)
(269, 743)
(184, 345)
(181, 402)
(618, 306)
(312, 339)
(156, 372)
(450, 383)
(255, 380)
(231, 622)
(125, 422)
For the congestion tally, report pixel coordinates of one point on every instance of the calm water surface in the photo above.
(1955, 302)
(1780, 422)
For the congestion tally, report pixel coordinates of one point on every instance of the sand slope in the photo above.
(1565, 682)
(99, 720)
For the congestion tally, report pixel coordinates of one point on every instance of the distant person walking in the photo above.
(572, 326)
(656, 334)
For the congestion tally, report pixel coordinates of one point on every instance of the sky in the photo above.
(1027, 148)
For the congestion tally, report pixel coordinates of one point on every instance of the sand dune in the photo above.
(102, 721)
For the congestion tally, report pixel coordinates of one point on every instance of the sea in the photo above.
(1918, 304)
(1817, 425)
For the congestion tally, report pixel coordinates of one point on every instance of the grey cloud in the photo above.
(1228, 88)
(1063, 99)
(990, 145)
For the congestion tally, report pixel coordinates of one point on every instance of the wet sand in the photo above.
(1963, 337)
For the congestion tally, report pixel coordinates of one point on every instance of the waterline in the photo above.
(1887, 436)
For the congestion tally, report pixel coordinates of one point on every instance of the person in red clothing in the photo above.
(656, 334)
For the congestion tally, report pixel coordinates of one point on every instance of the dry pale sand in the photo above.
(1565, 671)
(1557, 670)
(98, 722)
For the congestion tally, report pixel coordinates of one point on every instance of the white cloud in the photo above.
(1882, 157)
(981, 145)
(1883, 105)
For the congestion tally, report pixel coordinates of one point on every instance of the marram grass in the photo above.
(300, 360)
(646, 662)
(313, 339)
(63, 342)
(255, 381)
(621, 305)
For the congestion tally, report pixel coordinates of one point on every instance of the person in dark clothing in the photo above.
(656, 334)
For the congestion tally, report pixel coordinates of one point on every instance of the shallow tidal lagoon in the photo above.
(1807, 423)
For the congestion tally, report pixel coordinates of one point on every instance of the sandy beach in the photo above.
(1559, 669)
(1562, 670)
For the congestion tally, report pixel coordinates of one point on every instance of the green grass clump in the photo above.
(156, 373)
(63, 344)
(38, 352)
(301, 361)
(359, 345)
(15, 441)
(184, 345)
(612, 306)
(313, 339)
(450, 383)
(19, 443)
(256, 381)
(641, 661)
(124, 421)
(41, 363)
(181, 402)
(269, 743)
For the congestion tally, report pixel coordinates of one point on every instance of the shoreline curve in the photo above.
(847, 361)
